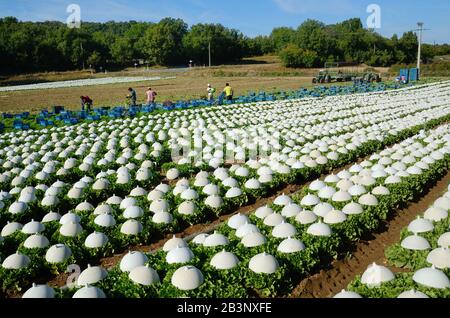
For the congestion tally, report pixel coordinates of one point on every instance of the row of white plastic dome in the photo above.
(438, 258)
(375, 275)
(111, 145)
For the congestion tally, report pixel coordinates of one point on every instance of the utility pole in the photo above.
(419, 51)
(420, 24)
(209, 53)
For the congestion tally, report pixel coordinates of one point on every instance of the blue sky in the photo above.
(252, 17)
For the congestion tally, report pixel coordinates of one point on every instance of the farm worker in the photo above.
(228, 92)
(210, 90)
(86, 100)
(151, 96)
(132, 96)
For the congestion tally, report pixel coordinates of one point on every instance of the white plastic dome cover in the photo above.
(291, 210)
(233, 192)
(131, 227)
(16, 261)
(444, 240)
(224, 260)
(172, 174)
(84, 206)
(263, 212)
(245, 229)
(133, 212)
(368, 200)
(273, 219)
(179, 255)
(322, 209)
(215, 239)
(70, 229)
(443, 203)
(69, 218)
(335, 217)
(200, 239)
(439, 258)
(412, 294)
(284, 230)
(353, 208)
(237, 221)
(36, 241)
(17, 207)
(214, 201)
(317, 185)
(435, 214)
(91, 275)
(306, 217)
(290, 245)
(319, 229)
(89, 292)
(282, 200)
(263, 264)
(96, 240)
(253, 239)
(58, 253)
(160, 205)
(187, 278)
(33, 227)
(39, 291)
(415, 242)
(341, 196)
(310, 200)
(375, 275)
(187, 208)
(431, 277)
(144, 275)
(105, 220)
(10, 228)
(132, 260)
(162, 218)
(125, 203)
(103, 209)
(420, 226)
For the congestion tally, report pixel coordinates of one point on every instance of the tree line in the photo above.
(52, 46)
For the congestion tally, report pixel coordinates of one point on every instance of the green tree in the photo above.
(408, 44)
(226, 44)
(293, 56)
(164, 41)
(122, 51)
(94, 59)
(281, 37)
(313, 36)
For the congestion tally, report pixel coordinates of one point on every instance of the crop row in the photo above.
(280, 243)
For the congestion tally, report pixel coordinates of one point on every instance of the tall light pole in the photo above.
(420, 25)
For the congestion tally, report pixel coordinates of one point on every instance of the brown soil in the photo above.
(331, 281)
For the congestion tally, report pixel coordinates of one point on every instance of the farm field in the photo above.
(258, 200)
(256, 74)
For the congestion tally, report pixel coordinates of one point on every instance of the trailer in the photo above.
(344, 72)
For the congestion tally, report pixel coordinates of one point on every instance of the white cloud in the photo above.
(290, 6)
(317, 6)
